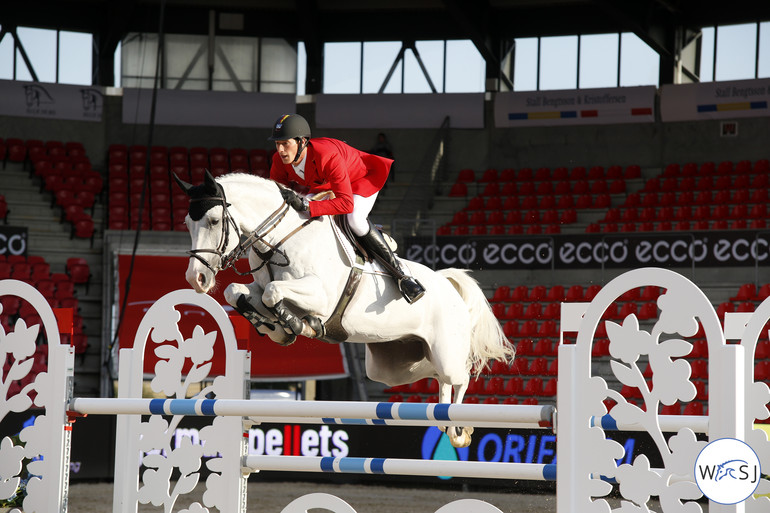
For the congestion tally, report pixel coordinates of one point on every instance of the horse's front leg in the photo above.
(307, 296)
(247, 301)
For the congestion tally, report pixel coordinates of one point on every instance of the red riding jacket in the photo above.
(335, 166)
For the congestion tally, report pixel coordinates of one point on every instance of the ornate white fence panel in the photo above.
(47, 441)
(226, 485)
(586, 463)
(585, 455)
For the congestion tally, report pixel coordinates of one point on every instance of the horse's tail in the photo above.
(488, 342)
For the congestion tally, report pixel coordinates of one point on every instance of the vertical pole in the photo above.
(537, 69)
(567, 484)
(727, 404)
(620, 51)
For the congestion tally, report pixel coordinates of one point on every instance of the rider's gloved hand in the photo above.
(295, 201)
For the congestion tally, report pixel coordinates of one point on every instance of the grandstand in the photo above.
(83, 188)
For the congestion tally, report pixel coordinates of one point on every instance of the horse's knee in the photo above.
(233, 291)
(271, 296)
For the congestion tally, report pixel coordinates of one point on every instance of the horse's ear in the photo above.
(182, 184)
(210, 182)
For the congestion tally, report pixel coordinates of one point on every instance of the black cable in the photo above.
(150, 134)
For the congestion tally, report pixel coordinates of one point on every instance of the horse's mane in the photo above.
(242, 177)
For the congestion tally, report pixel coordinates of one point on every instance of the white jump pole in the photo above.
(477, 415)
(401, 466)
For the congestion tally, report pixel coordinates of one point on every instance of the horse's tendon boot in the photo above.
(288, 319)
(247, 310)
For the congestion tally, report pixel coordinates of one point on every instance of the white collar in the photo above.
(300, 168)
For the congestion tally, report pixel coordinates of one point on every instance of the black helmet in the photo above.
(290, 126)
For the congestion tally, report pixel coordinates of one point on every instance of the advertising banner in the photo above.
(575, 107)
(155, 276)
(715, 100)
(13, 240)
(51, 101)
(206, 108)
(592, 251)
(381, 111)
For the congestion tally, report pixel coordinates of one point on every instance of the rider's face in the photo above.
(287, 150)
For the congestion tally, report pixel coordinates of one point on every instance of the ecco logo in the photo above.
(727, 471)
(13, 244)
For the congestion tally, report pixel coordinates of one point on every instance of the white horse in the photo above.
(300, 270)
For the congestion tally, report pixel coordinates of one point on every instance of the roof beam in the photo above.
(473, 19)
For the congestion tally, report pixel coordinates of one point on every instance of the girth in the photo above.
(334, 332)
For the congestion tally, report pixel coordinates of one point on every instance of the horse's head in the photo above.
(212, 230)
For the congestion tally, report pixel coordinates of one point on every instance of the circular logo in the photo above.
(727, 471)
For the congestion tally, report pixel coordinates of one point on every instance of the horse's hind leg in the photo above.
(459, 436)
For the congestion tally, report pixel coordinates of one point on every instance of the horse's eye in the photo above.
(214, 222)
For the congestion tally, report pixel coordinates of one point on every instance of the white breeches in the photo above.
(358, 219)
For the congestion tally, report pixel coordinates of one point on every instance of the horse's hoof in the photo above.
(461, 438)
(316, 325)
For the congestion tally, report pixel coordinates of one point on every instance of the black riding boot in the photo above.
(374, 242)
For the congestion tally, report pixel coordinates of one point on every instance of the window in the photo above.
(186, 65)
(378, 59)
(525, 64)
(6, 57)
(639, 64)
(598, 61)
(77, 70)
(40, 46)
(301, 68)
(736, 51)
(763, 69)
(139, 52)
(558, 62)
(465, 68)
(278, 69)
(432, 54)
(342, 68)
(707, 54)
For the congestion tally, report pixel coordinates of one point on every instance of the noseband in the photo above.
(227, 260)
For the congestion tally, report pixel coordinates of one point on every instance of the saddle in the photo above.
(333, 331)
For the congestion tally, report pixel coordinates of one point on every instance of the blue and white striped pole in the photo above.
(332, 412)
(668, 423)
(405, 467)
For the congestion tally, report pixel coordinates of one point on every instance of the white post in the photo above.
(727, 404)
(568, 486)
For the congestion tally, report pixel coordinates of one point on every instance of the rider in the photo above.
(355, 178)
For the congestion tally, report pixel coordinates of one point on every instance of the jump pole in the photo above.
(403, 466)
(477, 415)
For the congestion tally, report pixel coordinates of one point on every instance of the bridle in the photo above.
(227, 260)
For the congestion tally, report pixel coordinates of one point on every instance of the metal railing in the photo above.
(426, 182)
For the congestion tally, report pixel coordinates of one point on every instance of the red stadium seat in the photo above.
(466, 175)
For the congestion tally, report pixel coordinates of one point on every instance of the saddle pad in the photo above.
(373, 267)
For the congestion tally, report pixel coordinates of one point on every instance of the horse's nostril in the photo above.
(202, 279)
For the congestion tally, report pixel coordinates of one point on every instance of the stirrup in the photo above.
(406, 283)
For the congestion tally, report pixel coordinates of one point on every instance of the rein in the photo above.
(247, 242)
